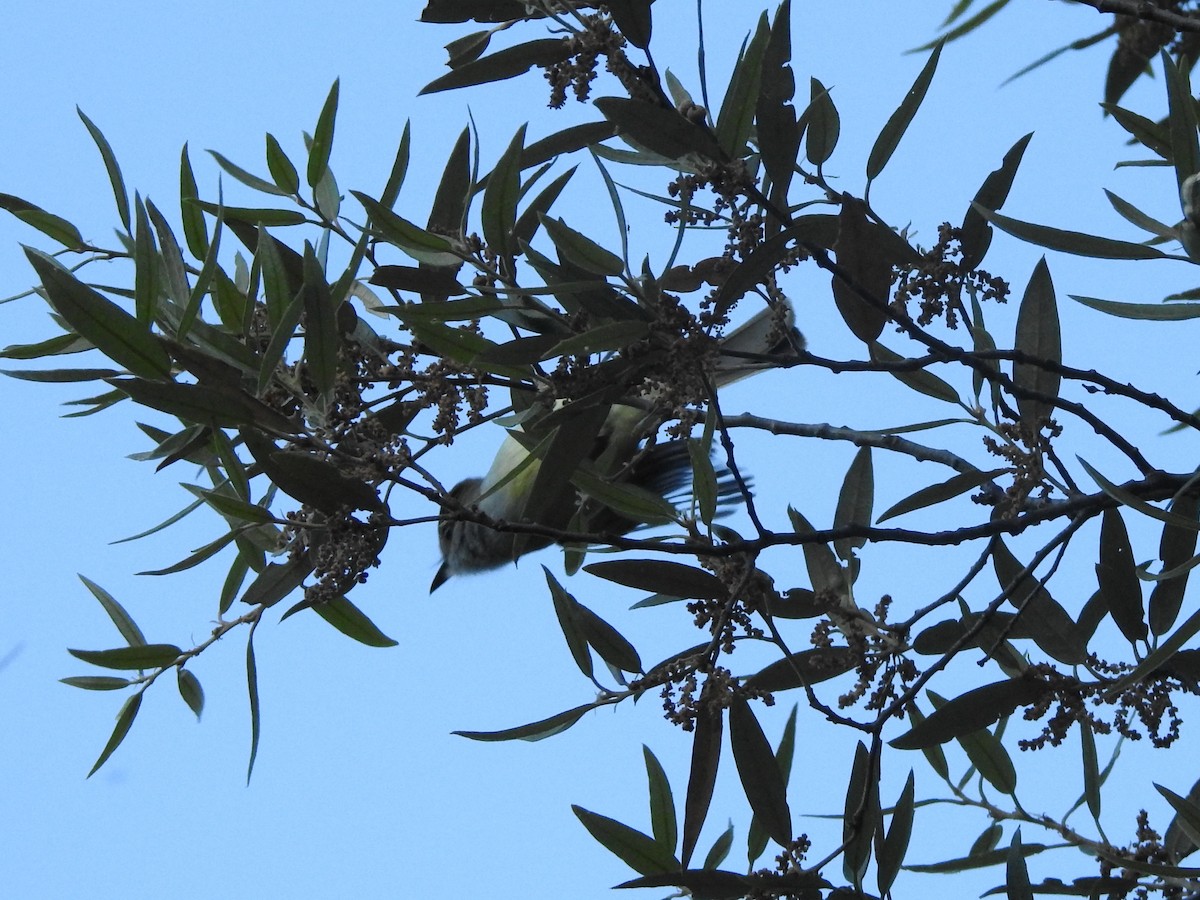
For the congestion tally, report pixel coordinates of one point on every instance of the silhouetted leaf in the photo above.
(1154, 312)
(499, 213)
(352, 622)
(1176, 546)
(124, 622)
(111, 166)
(736, 117)
(125, 717)
(535, 731)
(190, 690)
(761, 778)
(1048, 623)
(889, 138)
(662, 803)
(97, 682)
(507, 63)
(920, 380)
(638, 851)
(658, 129)
(52, 226)
(804, 667)
(976, 232)
(139, 656)
(976, 709)
(661, 577)
(861, 817)
(938, 493)
(1016, 874)
(855, 501)
(322, 141)
(1117, 576)
(895, 844)
(706, 754)
(1038, 335)
(822, 122)
(1075, 242)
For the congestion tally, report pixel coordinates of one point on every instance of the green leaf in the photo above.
(352, 622)
(762, 780)
(657, 129)
(823, 124)
(277, 580)
(535, 731)
(322, 338)
(1016, 879)
(310, 478)
(55, 346)
(114, 332)
(1038, 335)
(1176, 546)
(281, 168)
(939, 493)
(140, 656)
(60, 376)
(503, 64)
(662, 802)
(639, 851)
(988, 756)
(322, 142)
(804, 668)
(895, 844)
(97, 682)
(530, 220)
(976, 232)
(499, 213)
(1049, 625)
(252, 691)
(568, 611)
(1181, 121)
(124, 622)
(776, 128)
(52, 226)
(889, 138)
(198, 404)
(1091, 768)
(632, 18)
(920, 380)
(1074, 242)
(972, 711)
(418, 243)
(190, 691)
(125, 717)
(855, 502)
(1135, 216)
(1117, 576)
(861, 817)
(1151, 135)
(736, 117)
(249, 180)
(1155, 312)
(194, 230)
(580, 249)
(661, 577)
(272, 218)
(706, 754)
(826, 575)
(111, 166)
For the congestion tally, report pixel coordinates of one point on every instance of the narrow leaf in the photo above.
(125, 717)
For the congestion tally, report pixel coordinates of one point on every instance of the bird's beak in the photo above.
(442, 576)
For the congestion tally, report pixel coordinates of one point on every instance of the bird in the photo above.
(618, 449)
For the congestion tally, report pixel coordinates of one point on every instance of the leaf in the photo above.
(1176, 546)
(1117, 576)
(855, 501)
(111, 166)
(194, 230)
(662, 803)
(658, 129)
(322, 142)
(1187, 813)
(976, 232)
(352, 622)
(581, 250)
(861, 817)
(52, 226)
(889, 138)
(253, 215)
(252, 691)
(499, 213)
(920, 380)
(823, 124)
(1049, 625)
(530, 220)
(97, 682)
(418, 243)
(566, 608)
(1177, 841)
(737, 109)
(250, 180)
(1016, 874)
(125, 717)
(114, 332)
(195, 403)
(804, 668)
(284, 173)
(1151, 135)
(826, 575)
(1181, 120)
(632, 18)
(1155, 312)
(141, 656)
(720, 849)
(895, 843)
(933, 755)
(776, 127)
(706, 754)
(990, 758)
(939, 493)
(1037, 335)
(535, 731)
(1091, 768)
(974, 710)
(1074, 242)
(1135, 216)
(310, 478)
(661, 577)
(190, 690)
(638, 851)
(322, 338)
(759, 772)
(503, 64)
(124, 622)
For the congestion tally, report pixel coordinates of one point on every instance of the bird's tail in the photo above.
(764, 342)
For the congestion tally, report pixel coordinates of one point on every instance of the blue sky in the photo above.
(360, 789)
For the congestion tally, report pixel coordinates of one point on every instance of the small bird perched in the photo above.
(663, 469)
